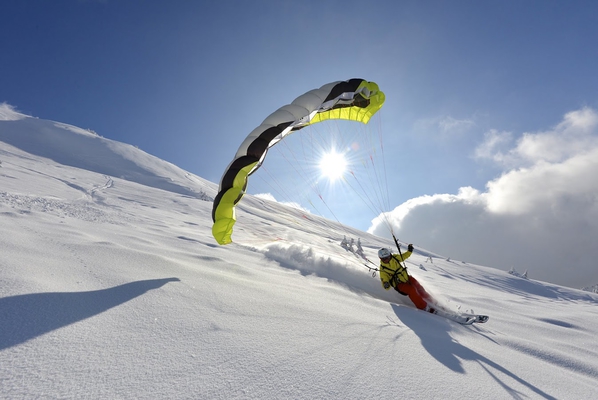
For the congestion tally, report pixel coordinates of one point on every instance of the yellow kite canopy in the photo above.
(355, 100)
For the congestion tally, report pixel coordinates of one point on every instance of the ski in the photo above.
(463, 319)
(478, 319)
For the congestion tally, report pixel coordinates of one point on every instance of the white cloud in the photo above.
(495, 142)
(444, 126)
(546, 187)
(576, 134)
(450, 124)
(542, 211)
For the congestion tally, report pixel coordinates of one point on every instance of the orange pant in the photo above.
(416, 292)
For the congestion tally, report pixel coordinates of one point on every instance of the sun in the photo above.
(333, 165)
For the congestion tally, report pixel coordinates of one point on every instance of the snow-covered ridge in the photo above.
(8, 113)
(80, 148)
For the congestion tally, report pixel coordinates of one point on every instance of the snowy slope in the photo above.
(111, 286)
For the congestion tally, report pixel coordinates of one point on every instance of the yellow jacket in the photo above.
(393, 272)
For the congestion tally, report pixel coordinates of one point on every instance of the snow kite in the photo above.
(355, 100)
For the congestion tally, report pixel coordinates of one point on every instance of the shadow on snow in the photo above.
(439, 344)
(25, 317)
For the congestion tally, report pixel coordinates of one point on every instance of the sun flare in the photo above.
(333, 165)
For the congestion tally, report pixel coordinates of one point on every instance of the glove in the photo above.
(410, 247)
(386, 285)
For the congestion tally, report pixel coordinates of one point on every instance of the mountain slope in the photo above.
(111, 286)
(75, 147)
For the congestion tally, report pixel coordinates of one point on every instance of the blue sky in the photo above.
(187, 80)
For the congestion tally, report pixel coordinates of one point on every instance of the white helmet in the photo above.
(383, 253)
